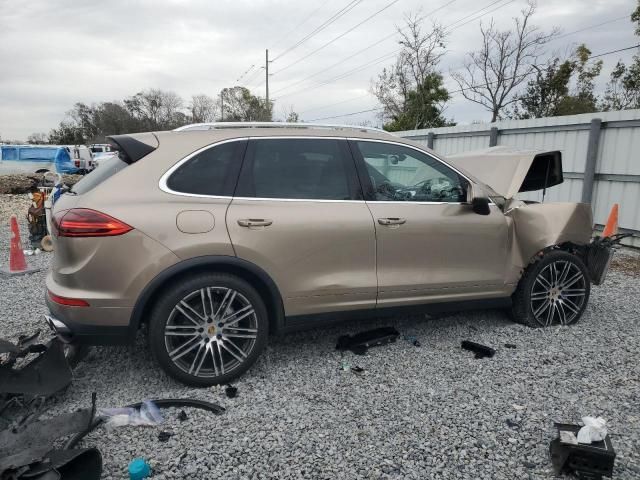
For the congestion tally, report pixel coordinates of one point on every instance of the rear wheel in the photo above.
(553, 291)
(209, 329)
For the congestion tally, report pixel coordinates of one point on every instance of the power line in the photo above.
(615, 51)
(343, 11)
(472, 14)
(390, 4)
(357, 53)
(391, 54)
(245, 72)
(334, 104)
(591, 27)
(460, 90)
(306, 19)
(346, 114)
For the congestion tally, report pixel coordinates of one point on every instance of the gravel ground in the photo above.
(419, 412)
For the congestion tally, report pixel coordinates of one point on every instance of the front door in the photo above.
(298, 213)
(430, 245)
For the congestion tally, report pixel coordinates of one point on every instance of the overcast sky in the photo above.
(54, 53)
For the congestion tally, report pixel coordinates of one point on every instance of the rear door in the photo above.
(298, 213)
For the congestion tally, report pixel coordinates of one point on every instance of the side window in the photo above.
(315, 169)
(400, 173)
(9, 153)
(207, 173)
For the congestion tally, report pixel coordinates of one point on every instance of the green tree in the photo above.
(411, 92)
(238, 104)
(550, 93)
(623, 89)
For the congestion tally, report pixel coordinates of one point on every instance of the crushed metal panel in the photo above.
(541, 225)
(508, 170)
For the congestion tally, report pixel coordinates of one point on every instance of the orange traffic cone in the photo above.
(611, 228)
(17, 262)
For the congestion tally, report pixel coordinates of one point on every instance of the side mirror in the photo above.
(478, 200)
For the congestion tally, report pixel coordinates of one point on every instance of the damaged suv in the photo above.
(216, 235)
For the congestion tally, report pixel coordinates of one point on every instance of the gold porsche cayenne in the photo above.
(217, 235)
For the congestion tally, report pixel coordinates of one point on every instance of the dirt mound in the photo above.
(16, 184)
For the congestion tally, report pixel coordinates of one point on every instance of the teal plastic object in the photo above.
(139, 469)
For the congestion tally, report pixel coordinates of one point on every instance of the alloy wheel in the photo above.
(558, 293)
(211, 331)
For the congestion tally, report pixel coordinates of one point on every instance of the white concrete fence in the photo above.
(600, 156)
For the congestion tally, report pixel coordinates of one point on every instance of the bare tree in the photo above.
(203, 108)
(157, 108)
(411, 91)
(37, 138)
(505, 60)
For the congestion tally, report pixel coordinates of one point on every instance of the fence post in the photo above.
(590, 162)
(493, 137)
(430, 136)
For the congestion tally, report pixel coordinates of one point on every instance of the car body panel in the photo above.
(321, 255)
(433, 256)
(508, 170)
(541, 225)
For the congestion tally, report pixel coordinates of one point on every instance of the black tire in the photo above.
(171, 317)
(563, 302)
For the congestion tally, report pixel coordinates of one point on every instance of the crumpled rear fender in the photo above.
(541, 225)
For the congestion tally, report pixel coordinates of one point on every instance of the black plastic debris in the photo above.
(412, 340)
(481, 351)
(231, 391)
(45, 375)
(361, 342)
(26, 447)
(586, 461)
(164, 436)
(182, 416)
(358, 370)
(509, 345)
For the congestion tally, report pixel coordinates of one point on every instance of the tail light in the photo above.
(69, 302)
(77, 162)
(83, 222)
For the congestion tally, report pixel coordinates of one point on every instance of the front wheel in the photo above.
(553, 291)
(208, 329)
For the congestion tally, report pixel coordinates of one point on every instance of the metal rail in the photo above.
(225, 125)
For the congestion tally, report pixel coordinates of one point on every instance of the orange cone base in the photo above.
(5, 272)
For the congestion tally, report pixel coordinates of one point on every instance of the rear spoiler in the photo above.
(133, 147)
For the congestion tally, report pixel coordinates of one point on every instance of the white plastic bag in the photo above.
(594, 430)
(147, 415)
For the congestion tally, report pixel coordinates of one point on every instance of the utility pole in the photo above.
(266, 70)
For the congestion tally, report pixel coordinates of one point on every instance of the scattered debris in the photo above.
(412, 340)
(358, 370)
(26, 448)
(509, 345)
(182, 416)
(361, 342)
(231, 391)
(481, 351)
(164, 436)
(512, 424)
(139, 469)
(159, 403)
(519, 407)
(147, 414)
(588, 461)
(45, 375)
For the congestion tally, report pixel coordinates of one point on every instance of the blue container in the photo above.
(139, 469)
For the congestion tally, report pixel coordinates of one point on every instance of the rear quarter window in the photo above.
(212, 171)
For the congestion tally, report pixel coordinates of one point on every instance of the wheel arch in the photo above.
(248, 271)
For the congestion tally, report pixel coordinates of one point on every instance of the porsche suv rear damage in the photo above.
(218, 235)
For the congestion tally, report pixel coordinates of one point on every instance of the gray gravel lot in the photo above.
(419, 412)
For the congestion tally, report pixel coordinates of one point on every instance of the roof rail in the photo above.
(223, 125)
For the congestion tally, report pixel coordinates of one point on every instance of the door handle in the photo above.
(254, 222)
(392, 221)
